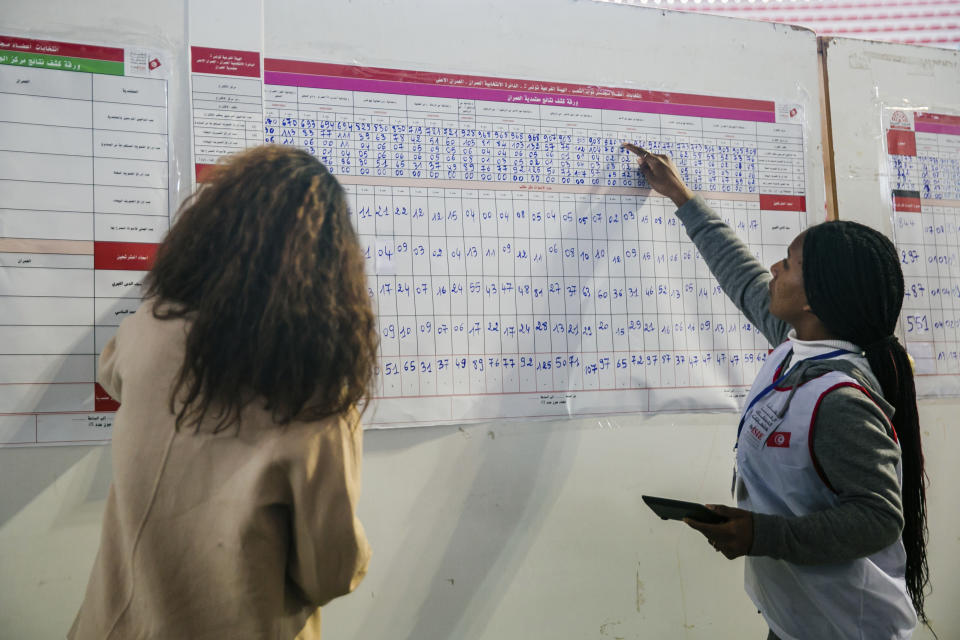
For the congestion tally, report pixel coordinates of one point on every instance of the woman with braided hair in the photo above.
(829, 475)
(237, 445)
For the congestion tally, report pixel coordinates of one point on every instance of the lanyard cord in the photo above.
(772, 385)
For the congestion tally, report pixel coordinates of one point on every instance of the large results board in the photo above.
(519, 265)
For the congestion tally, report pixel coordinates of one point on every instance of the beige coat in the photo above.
(240, 534)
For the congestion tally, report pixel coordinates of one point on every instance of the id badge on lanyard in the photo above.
(759, 422)
(762, 420)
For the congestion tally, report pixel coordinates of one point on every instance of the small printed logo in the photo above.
(899, 120)
(153, 64)
(793, 112)
(779, 439)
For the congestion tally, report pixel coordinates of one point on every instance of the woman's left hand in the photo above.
(732, 538)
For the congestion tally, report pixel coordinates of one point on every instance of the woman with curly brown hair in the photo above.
(237, 445)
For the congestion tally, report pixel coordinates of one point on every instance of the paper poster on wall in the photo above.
(923, 180)
(226, 103)
(84, 201)
(519, 265)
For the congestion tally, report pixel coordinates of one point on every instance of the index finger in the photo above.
(640, 151)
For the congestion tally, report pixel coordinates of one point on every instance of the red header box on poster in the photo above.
(906, 202)
(102, 400)
(901, 143)
(202, 171)
(53, 48)
(225, 62)
(783, 203)
(124, 256)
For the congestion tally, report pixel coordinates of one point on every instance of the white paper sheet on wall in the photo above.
(84, 200)
(923, 179)
(519, 266)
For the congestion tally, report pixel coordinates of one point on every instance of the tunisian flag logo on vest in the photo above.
(779, 439)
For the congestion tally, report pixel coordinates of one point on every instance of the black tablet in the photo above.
(669, 509)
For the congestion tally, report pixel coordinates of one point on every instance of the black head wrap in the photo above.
(853, 282)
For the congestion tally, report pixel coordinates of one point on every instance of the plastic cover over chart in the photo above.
(923, 167)
(519, 266)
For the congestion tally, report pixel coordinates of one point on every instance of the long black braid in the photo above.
(854, 285)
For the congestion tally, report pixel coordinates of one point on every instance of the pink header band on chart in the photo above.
(510, 84)
(936, 118)
(928, 127)
(518, 97)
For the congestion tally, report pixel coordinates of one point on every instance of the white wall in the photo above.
(489, 531)
(495, 531)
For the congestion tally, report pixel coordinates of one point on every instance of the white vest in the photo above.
(863, 599)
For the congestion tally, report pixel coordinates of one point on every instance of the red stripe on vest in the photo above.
(813, 420)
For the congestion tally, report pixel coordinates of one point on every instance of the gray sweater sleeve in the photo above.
(741, 276)
(858, 459)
